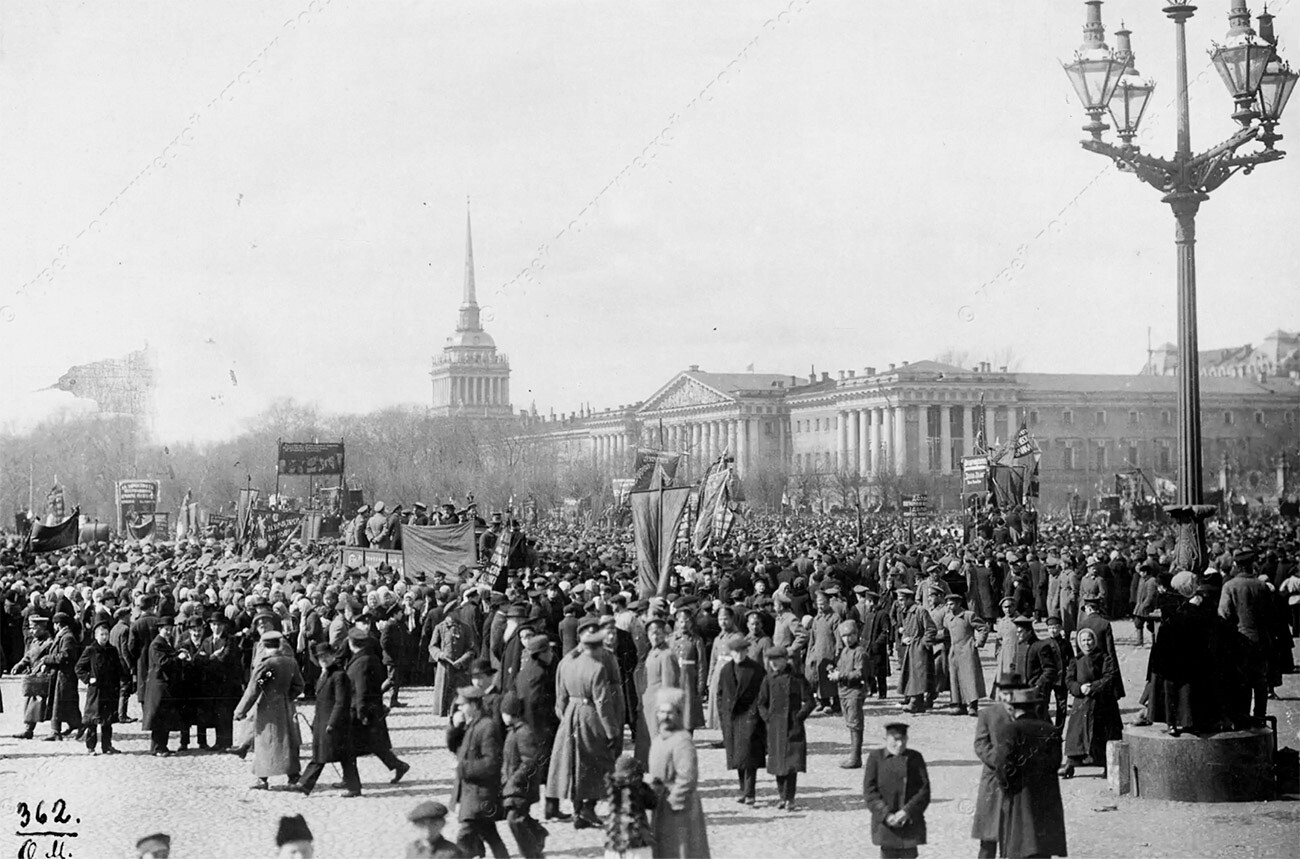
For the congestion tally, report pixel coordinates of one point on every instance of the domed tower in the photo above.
(470, 378)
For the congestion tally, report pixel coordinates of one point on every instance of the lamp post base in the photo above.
(1189, 535)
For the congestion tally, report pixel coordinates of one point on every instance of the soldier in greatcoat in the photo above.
(916, 633)
(689, 649)
(451, 648)
(36, 687)
(992, 722)
(965, 633)
(331, 735)
(784, 702)
(743, 733)
(660, 670)
(1026, 757)
(584, 749)
(678, 819)
(275, 684)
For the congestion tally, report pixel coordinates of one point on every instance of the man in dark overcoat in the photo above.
(475, 742)
(369, 718)
(1026, 757)
(1035, 659)
(223, 666)
(138, 641)
(743, 733)
(520, 777)
(896, 787)
(100, 668)
(876, 635)
(784, 702)
(119, 637)
(993, 721)
(535, 687)
(331, 733)
(160, 703)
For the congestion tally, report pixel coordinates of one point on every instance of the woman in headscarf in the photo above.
(1095, 716)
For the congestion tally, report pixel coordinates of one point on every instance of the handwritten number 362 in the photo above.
(58, 813)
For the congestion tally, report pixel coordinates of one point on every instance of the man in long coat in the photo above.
(992, 723)
(36, 706)
(743, 732)
(876, 634)
(917, 633)
(138, 641)
(820, 657)
(896, 787)
(660, 670)
(689, 648)
(1245, 604)
(119, 637)
(965, 673)
(720, 658)
(331, 733)
(61, 662)
(366, 673)
(535, 687)
(224, 669)
(451, 648)
(160, 704)
(100, 668)
(583, 752)
(275, 684)
(678, 818)
(473, 738)
(785, 700)
(1036, 659)
(1026, 757)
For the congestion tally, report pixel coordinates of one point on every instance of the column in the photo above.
(842, 428)
(742, 446)
(861, 424)
(887, 438)
(945, 439)
(781, 421)
(923, 438)
(733, 438)
(900, 439)
(874, 419)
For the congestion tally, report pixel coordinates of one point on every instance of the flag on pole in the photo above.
(656, 515)
(981, 446)
(718, 504)
(1024, 442)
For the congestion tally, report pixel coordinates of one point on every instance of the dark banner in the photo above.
(48, 538)
(310, 458)
(655, 520)
(654, 468)
(435, 549)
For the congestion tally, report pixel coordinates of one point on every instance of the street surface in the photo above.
(203, 800)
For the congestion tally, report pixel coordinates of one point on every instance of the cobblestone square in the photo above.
(203, 799)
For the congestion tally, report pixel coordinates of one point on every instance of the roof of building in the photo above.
(731, 382)
(1087, 383)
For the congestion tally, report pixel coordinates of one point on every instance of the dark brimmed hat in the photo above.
(896, 728)
(1010, 680)
(481, 667)
(166, 620)
(776, 651)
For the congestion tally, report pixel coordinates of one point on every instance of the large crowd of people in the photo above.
(570, 690)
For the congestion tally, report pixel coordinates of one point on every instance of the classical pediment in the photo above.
(682, 392)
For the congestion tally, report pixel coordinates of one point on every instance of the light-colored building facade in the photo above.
(470, 378)
(915, 421)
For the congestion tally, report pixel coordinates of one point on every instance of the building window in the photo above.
(1099, 418)
(1067, 459)
(1134, 417)
(1259, 418)
(1227, 419)
(817, 424)
(1033, 417)
(1099, 457)
(1067, 417)
(1165, 463)
(1133, 454)
(1166, 419)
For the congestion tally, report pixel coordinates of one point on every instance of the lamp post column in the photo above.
(1185, 205)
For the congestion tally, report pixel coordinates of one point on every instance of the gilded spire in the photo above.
(469, 319)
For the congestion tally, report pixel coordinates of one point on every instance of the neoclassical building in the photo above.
(919, 419)
(470, 378)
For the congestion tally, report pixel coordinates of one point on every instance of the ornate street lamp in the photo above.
(1096, 70)
(1260, 84)
(1132, 94)
(1275, 86)
(1241, 61)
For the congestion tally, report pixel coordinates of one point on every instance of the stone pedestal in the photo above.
(1232, 766)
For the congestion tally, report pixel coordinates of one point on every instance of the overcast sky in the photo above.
(835, 198)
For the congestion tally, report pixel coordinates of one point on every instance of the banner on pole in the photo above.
(310, 458)
(436, 549)
(136, 501)
(654, 468)
(49, 538)
(655, 517)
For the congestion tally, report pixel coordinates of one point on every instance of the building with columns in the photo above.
(470, 378)
(914, 422)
